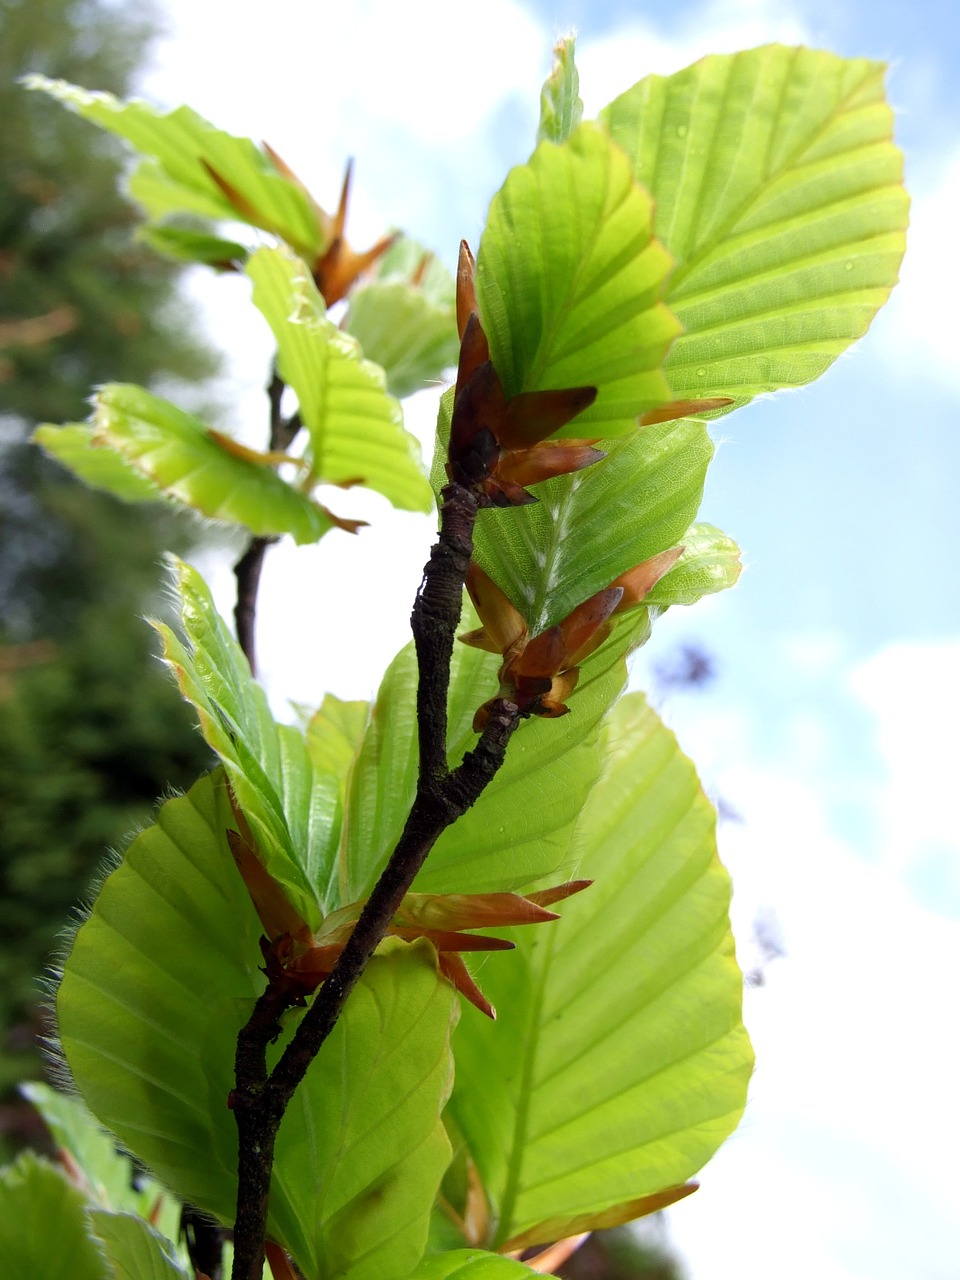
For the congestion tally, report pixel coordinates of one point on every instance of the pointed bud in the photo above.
(531, 416)
(466, 289)
(683, 409)
(455, 971)
(502, 620)
(642, 578)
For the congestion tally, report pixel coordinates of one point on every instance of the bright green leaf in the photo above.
(194, 246)
(108, 1173)
(596, 1085)
(177, 453)
(156, 987)
(710, 563)
(95, 463)
(413, 340)
(507, 840)
(182, 144)
(778, 191)
(590, 527)
(561, 108)
(43, 1225)
(407, 259)
(570, 281)
(355, 428)
(292, 807)
(334, 733)
(134, 1251)
(378, 1151)
(470, 1264)
(636, 502)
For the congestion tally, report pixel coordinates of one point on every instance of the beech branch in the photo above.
(443, 795)
(248, 568)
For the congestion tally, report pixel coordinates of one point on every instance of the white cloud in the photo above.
(920, 330)
(610, 65)
(843, 1167)
(913, 690)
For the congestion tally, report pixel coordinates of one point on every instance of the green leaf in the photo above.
(407, 259)
(570, 280)
(378, 1150)
(355, 429)
(778, 191)
(194, 246)
(619, 1063)
(181, 145)
(405, 318)
(470, 1264)
(43, 1225)
(134, 1251)
(334, 733)
(293, 808)
(178, 454)
(95, 463)
(413, 340)
(156, 987)
(561, 108)
(710, 563)
(638, 501)
(590, 527)
(507, 840)
(109, 1174)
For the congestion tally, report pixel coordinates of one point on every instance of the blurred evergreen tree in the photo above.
(91, 730)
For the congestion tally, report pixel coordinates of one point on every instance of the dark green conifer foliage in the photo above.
(91, 730)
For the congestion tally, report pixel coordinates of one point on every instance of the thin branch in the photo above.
(260, 1099)
(248, 568)
(247, 572)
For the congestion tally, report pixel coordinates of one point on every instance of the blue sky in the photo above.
(831, 726)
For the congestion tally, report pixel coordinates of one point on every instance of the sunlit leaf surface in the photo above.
(293, 808)
(96, 465)
(598, 1084)
(778, 191)
(570, 280)
(184, 460)
(183, 148)
(355, 428)
(158, 983)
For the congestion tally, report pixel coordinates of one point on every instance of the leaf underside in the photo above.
(619, 1062)
(355, 428)
(569, 283)
(778, 191)
(159, 981)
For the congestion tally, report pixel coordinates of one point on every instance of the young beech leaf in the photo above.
(470, 1264)
(95, 463)
(134, 1250)
(778, 191)
(195, 168)
(561, 108)
(157, 984)
(355, 429)
(570, 281)
(597, 1089)
(185, 460)
(44, 1229)
(293, 807)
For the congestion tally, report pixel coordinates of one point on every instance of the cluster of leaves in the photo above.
(421, 1144)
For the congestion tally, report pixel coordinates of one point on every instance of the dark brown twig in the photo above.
(443, 795)
(248, 568)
